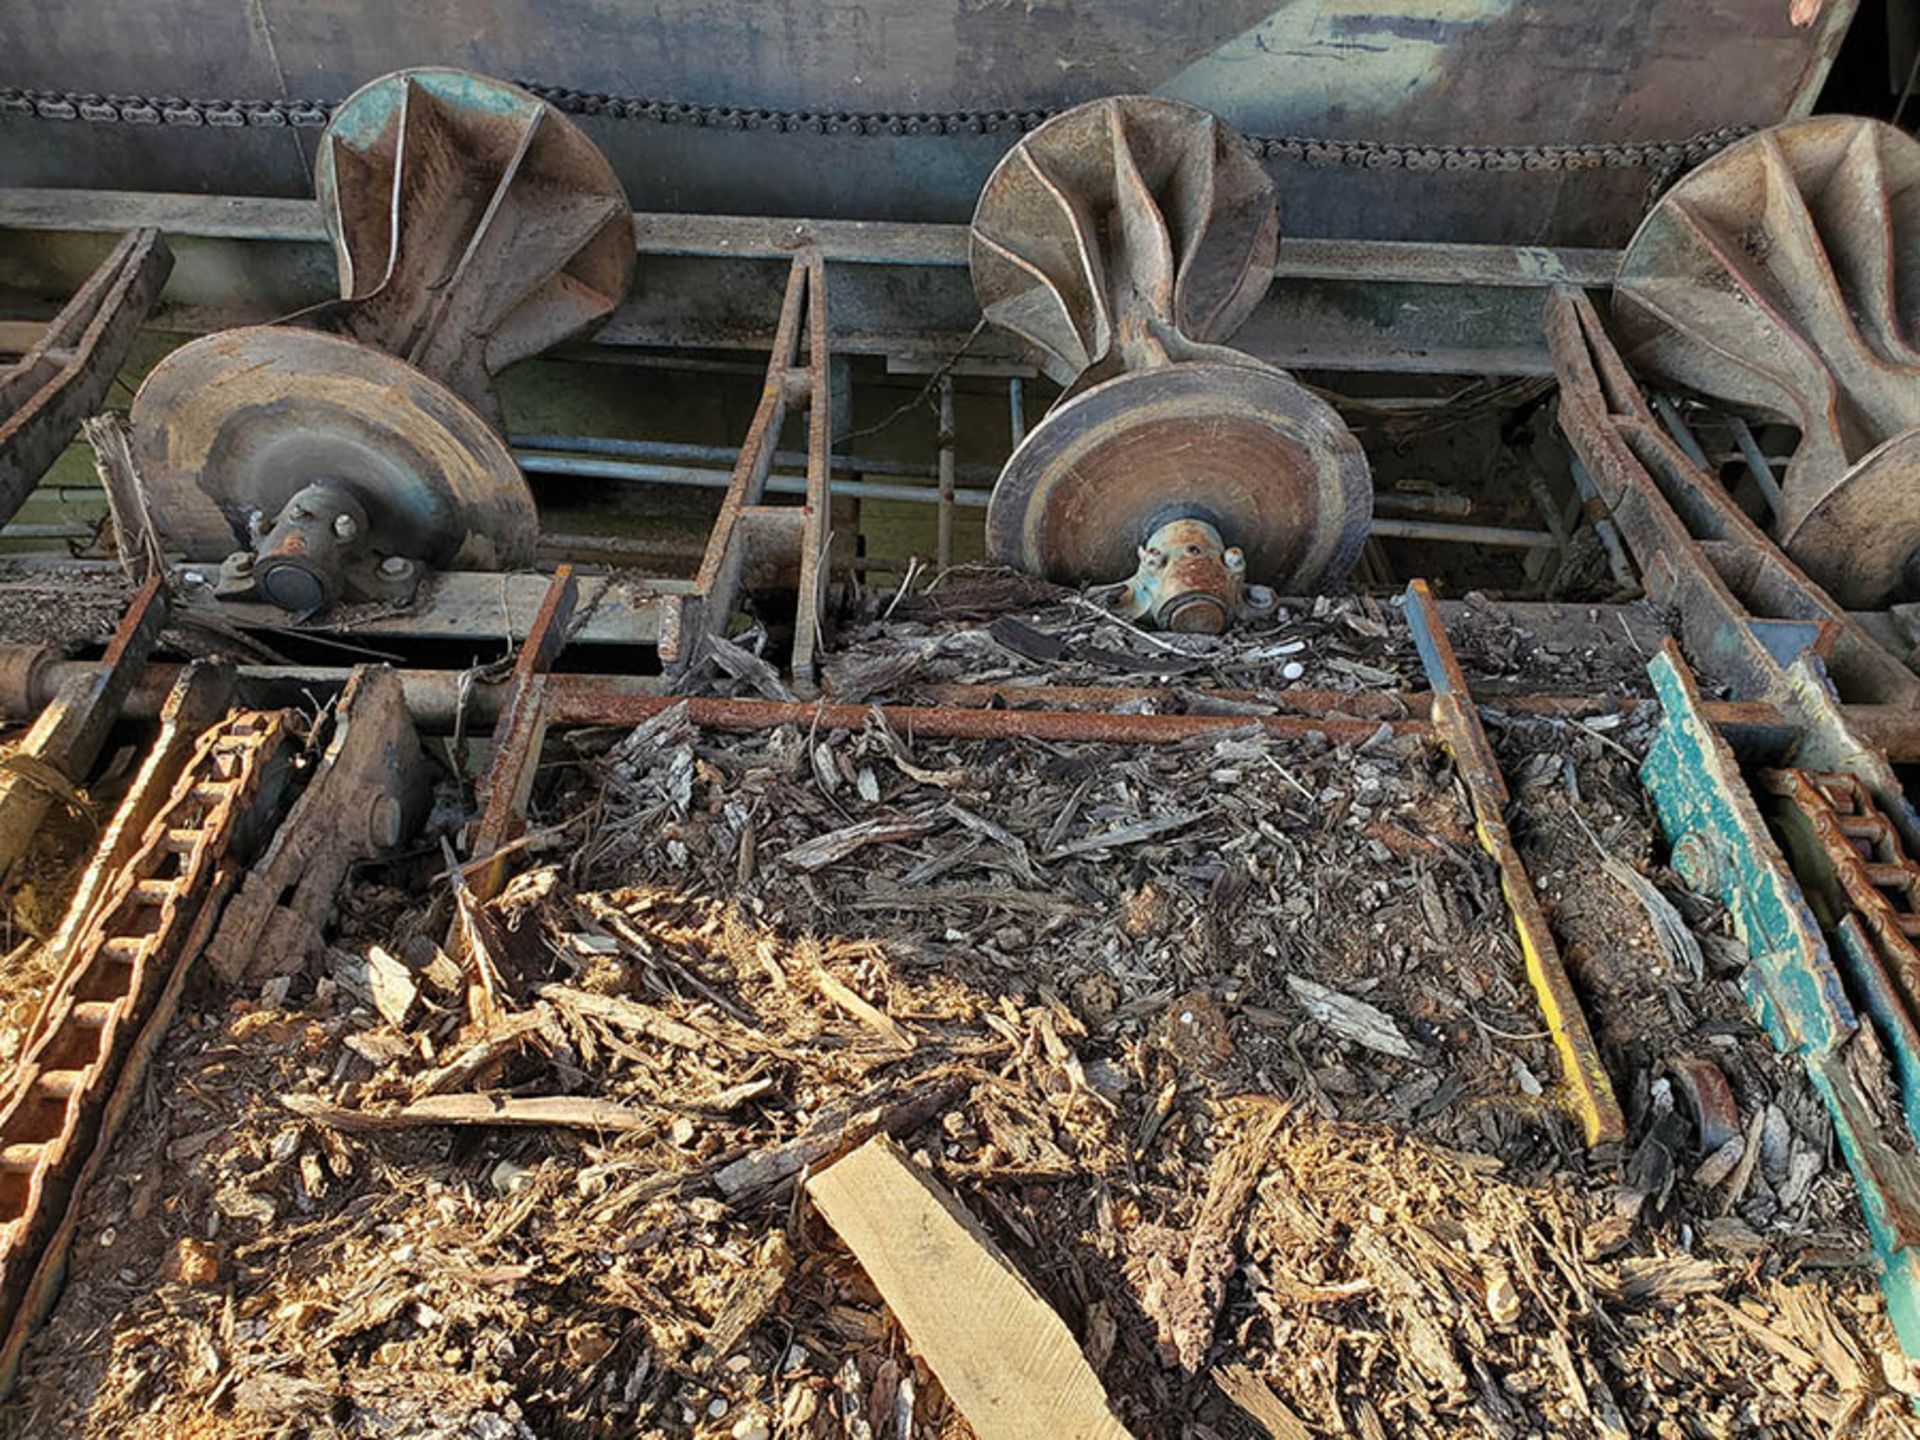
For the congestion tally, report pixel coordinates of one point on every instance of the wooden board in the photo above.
(1007, 1360)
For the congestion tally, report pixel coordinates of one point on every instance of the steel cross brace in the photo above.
(751, 539)
(65, 376)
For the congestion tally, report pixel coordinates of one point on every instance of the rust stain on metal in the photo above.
(574, 701)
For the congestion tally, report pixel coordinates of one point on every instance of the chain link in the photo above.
(1665, 158)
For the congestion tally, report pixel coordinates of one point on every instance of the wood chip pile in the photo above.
(1224, 1051)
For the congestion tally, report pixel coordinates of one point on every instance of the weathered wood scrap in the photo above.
(889, 1108)
(568, 1111)
(1186, 1305)
(1008, 1362)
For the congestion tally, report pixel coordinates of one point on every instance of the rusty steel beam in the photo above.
(1749, 617)
(65, 376)
(53, 759)
(1458, 723)
(1736, 593)
(751, 539)
(438, 699)
(581, 704)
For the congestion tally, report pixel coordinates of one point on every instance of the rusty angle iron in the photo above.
(1778, 279)
(1127, 240)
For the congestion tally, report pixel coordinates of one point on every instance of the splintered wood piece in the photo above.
(1256, 1400)
(860, 1008)
(1185, 1306)
(566, 1111)
(1007, 1360)
(888, 1108)
(392, 987)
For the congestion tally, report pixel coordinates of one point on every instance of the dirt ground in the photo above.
(1084, 986)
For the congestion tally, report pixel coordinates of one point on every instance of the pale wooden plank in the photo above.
(1007, 1360)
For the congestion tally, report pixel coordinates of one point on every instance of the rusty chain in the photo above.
(1664, 158)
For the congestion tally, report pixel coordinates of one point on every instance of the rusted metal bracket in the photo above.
(1865, 889)
(368, 789)
(753, 543)
(1722, 848)
(80, 1070)
(65, 376)
(53, 759)
(519, 734)
(1458, 721)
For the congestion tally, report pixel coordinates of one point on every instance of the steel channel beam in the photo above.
(1457, 720)
(900, 289)
(584, 705)
(1749, 617)
(1668, 510)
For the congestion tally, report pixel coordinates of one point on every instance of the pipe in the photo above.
(1603, 526)
(1757, 466)
(1438, 531)
(1385, 528)
(1677, 427)
(30, 676)
(650, 474)
(943, 521)
(672, 452)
